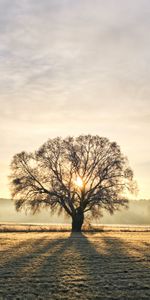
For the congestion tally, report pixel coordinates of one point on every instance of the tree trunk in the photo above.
(77, 220)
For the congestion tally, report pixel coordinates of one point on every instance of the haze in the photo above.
(70, 67)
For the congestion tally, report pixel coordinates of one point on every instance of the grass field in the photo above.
(46, 265)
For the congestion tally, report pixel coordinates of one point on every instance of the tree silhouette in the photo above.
(80, 176)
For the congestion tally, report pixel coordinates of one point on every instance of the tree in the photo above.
(79, 176)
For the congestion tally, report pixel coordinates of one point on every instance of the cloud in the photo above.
(70, 67)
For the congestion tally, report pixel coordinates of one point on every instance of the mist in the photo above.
(137, 214)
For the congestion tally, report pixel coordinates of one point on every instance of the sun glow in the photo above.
(79, 182)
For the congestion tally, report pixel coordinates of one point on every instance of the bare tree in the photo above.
(79, 175)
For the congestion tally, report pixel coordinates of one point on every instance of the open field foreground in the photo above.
(107, 265)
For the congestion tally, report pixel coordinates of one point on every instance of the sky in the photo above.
(71, 67)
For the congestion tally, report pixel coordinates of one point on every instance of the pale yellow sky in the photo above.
(75, 67)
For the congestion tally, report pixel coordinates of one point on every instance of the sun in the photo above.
(79, 182)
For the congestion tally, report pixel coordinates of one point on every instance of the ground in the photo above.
(107, 265)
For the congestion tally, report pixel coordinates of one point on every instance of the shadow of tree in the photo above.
(112, 272)
(22, 247)
(82, 266)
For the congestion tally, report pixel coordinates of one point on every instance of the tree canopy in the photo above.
(78, 175)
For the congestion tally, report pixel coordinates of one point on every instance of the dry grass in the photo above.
(11, 227)
(106, 265)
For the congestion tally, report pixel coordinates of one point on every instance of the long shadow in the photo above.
(6, 254)
(114, 272)
(92, 269)
(77, 266)
(22, 252)
(17, 272)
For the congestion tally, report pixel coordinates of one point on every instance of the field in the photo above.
(59, 265)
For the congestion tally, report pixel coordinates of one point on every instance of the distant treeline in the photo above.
(138, 213)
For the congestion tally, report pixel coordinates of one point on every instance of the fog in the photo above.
(138, 213)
